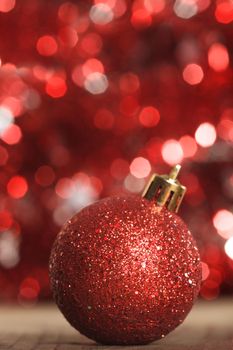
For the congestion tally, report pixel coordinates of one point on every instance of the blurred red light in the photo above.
(210, 290)
(68, 36)
(17, 187)
(193, 74)
(218, 57)
(92, 44)
(104, 119)
(68, 12)
(56, 87)
(12, 135)
(140, 167)
(129, 83)
(119, 168)
(7, 5)
(205, 271)
(141, 18)
(45, 176)
(92, 65)
(224, 12)
(46, 45)
(154, 6)
(129, 105)
(5, 220)
(64, 187)
(3, 156)
(77, 75)
(14, 104)
(149, 116)
(188, 145)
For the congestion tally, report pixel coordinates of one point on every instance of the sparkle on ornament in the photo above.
(218, 57)
(185, 8)
(149, 116)
(46, 45)
(96, 83)
(101, 13)
(17, 187)
(193, 74)
(223, 222)
(172, 152)
(140, 167)
(7, 5)
(229, 248)
(205, 135)
(6, 119)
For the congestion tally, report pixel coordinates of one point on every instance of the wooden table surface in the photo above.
(208, 327)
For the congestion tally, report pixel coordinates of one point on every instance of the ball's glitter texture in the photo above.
(125, 271)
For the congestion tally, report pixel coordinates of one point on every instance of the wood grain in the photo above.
(208, 327)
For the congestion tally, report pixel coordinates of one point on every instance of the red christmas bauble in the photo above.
(125, 271)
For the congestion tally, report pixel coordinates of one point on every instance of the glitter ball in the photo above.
(115, 298)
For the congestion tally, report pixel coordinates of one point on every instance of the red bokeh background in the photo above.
(95, 96)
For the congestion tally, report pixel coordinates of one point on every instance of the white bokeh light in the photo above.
(101, 13)
(96, 83)
(78, 195)
(172, 152)
(133, 184)
(6, 119)
(223, 222)
(205, 135)
(9, 250)
(185, 8)
(32, 99)
(229, 248)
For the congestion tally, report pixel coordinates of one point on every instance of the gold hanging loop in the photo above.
(166, 190)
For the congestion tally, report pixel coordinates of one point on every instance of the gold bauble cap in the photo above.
(166, 190)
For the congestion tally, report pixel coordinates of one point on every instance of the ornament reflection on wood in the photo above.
(126, 270)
